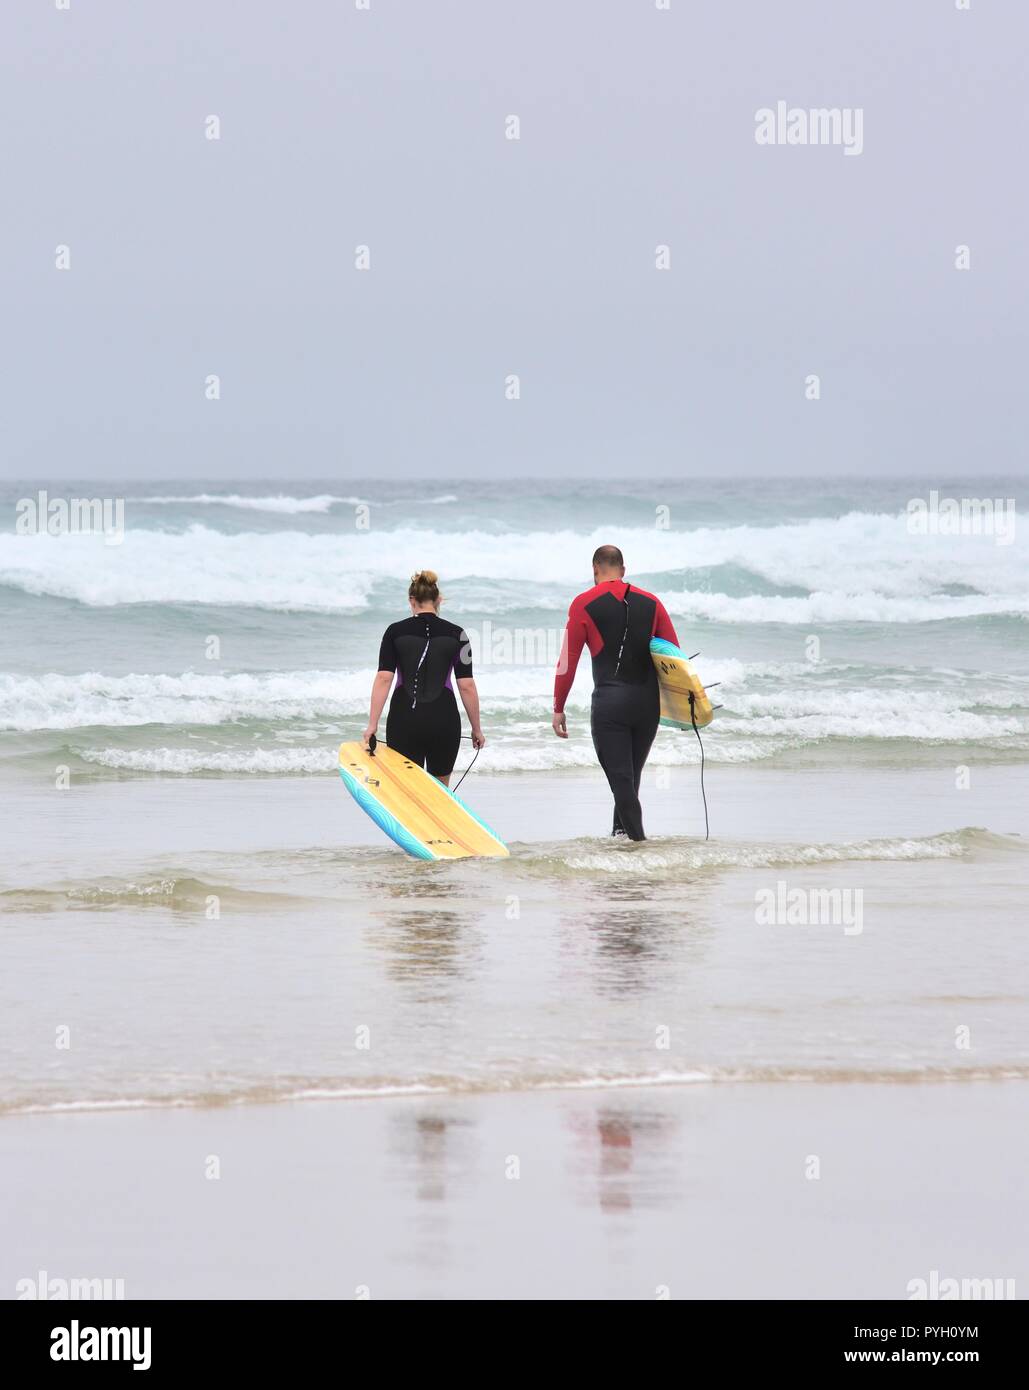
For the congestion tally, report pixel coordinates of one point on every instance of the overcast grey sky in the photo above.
(385, 127)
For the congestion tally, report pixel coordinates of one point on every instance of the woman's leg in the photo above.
(442, 736)
(404, 730)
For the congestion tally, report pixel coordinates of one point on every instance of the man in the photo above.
(616, 621)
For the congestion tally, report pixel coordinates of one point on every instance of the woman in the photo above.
(426, 654)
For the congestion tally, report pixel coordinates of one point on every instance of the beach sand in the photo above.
(701, 1190)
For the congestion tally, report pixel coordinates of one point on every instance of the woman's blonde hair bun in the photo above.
(424, 587)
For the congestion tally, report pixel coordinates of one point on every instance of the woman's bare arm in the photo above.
(380, 693)
(470, 699)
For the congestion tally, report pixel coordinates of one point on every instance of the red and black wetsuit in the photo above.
(616, 621)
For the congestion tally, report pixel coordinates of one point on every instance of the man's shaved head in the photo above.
(608, 557)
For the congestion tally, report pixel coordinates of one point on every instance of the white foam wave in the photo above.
(327, 705)
(514, 754)
(312, 573)
(58, 701)
(184, 762)
(500, 756)
(948, 715)
(287, 506)
(273, 1091)
(821, 608)
(860, 567)
(654, 856)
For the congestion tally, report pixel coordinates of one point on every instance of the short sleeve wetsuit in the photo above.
(428, 654)
(616, 621)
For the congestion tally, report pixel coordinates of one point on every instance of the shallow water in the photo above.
(576, 962)
(214, 921)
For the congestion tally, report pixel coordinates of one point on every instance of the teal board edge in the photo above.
(384, 820)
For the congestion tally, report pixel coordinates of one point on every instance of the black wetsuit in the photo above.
(428, 654)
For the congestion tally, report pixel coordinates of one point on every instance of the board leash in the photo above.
(703, 794)
(469, 767)
(373, 741)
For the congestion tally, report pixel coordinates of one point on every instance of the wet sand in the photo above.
(702, 1191)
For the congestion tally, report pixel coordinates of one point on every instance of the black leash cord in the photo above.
(469, 767)
(373, 741)
(693, 720)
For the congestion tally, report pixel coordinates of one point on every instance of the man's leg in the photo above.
(613, 741)
(643, 734)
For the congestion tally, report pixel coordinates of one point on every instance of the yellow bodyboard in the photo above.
(415, 810)
(678, 680)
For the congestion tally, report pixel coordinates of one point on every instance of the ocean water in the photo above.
(196, 678)
(921, 640)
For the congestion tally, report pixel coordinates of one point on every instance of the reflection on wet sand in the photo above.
(623, 1157)
(434, 1151)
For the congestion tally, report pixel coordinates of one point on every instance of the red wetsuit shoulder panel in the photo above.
(588, 610)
